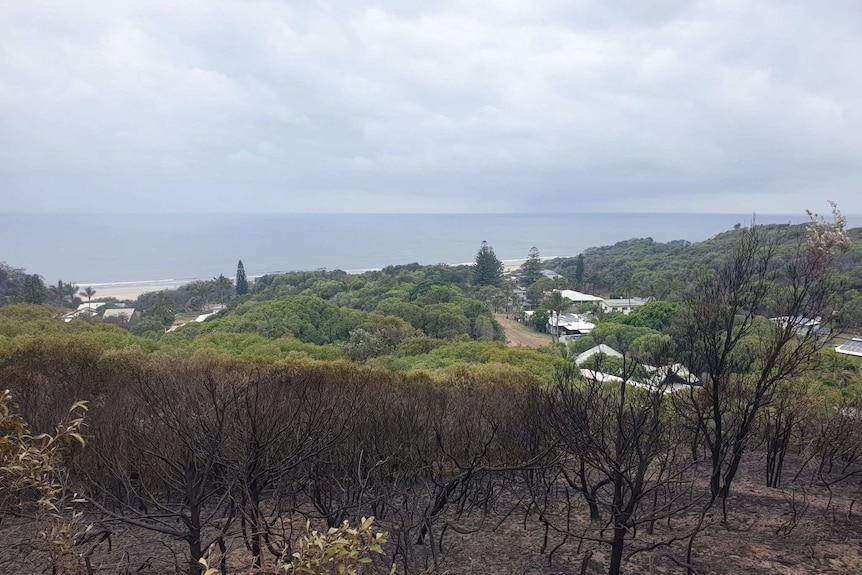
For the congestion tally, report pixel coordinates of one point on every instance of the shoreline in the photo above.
(131, 290)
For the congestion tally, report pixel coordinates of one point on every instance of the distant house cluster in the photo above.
(571, 326)
(622, 305)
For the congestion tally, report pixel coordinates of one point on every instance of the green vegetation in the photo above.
(488, 270)
(531, 269)
(326, 397)
(665, 270)
(241, 284)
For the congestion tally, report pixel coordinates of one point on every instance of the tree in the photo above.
(69, 291)
(241, 280)
(488, 270)
(531, 269)
(170, 456)
(557, 304)
(221, 284)
(162, 308)
(627, 286)
(88, 293)
(32, 290)
(200, 292)
(31, 473)
(536, 292)
(743, 358)
(579, 272)
(619, 451)
(539, 320)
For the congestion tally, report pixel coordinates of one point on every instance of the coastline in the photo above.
(131, 290)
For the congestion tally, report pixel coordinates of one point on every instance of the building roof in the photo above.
(624, 302)
(599, 376)
(601, 348)
(675, 371)
(578, 297)
(91, 306)
(571, 321)
(851, 347)
(125, 313)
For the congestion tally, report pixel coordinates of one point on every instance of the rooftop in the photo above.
(851, 347)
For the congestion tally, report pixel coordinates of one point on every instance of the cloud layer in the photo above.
(265, 105)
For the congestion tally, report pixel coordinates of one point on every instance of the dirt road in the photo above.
(518, 334)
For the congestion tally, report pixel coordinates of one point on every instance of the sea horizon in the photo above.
(124, 249)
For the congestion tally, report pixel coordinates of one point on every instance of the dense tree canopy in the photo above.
(488, 269)
(241, 285)
(531, 269)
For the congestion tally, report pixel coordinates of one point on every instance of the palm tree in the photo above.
(201, 291)
(222, 284)
(58, 291)
(627, 286)
(558, 304)
(69, 291)
(162, 308)
(88, 293)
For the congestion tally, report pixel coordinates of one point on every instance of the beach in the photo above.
(134, 289)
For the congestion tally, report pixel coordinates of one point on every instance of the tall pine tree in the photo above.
(531, 269)
(241, 280)
(488, 270)
(579, 272)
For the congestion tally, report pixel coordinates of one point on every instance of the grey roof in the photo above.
(601, 348)
(126, 312)
(624, 302)
(851, 347)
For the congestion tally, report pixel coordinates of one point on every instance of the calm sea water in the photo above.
(91, 249)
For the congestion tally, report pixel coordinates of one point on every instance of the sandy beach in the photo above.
(132, 290)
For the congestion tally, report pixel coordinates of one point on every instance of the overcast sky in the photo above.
(396, 106)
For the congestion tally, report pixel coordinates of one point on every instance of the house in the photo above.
(551, 275)
(622, 305)
(84, 310)
(601, 348)
(672, 377)
(666, 378)
(578, 297)
(571, 326)
(801, 326)
(851, 347)
(593, 375)
(123, 314)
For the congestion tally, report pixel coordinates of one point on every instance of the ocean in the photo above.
(171, 249)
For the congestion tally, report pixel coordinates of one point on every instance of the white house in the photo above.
(623, 305)
(667, 379)
(579, 297)
(124, 314)
(601, 348)
(84, 310)
(571, 326)
(851, 347)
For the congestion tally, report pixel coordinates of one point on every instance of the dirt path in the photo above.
(518, 334)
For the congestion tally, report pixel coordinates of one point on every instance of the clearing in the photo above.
(519, 334)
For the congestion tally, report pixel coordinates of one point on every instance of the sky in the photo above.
(721, 106)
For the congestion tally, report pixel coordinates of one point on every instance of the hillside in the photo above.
(666, 270)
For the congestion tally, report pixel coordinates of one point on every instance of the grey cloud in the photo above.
(497, 106)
